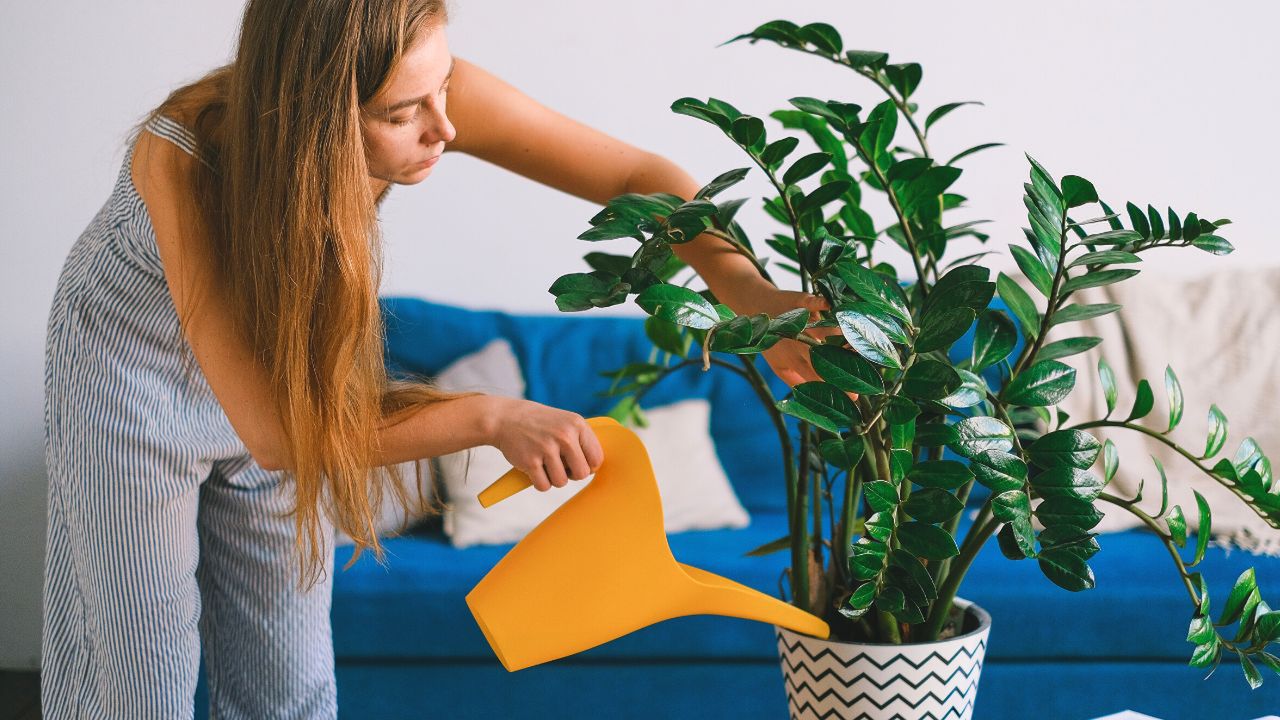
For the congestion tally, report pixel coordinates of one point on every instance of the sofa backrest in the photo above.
(562, 358)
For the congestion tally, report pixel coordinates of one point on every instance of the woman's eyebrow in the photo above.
(414, 101)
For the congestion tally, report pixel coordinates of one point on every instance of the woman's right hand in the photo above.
(549, 445)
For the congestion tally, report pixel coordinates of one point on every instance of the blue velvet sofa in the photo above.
(407, 646)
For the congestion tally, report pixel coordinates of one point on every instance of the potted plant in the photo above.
(885, 567)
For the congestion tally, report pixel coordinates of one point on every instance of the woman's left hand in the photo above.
(789, 358)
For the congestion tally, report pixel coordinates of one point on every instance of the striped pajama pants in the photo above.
(166, 540)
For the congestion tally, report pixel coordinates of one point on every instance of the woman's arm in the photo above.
(496, 122)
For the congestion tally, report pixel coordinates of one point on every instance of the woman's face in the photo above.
(405, 127)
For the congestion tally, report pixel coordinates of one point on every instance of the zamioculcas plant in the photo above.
(878, 555)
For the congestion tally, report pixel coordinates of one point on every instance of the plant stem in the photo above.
(1194, 460)
(973, 542)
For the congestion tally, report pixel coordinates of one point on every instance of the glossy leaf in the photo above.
(1071, 447)
(941, 329)
(1173, 389)
(868, 339)
(846, 370)
(821, 404)
(993, 340)
(927, 541)
(999, 471)
(1020, 303)
(1066, 568)
(1045, 383)
(976, 434)
(1067, 347)
(1143, 401)
(1014, 508)
(932, 505)
(1217, 432)
(942, 474)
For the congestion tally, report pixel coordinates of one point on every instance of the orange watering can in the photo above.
(599, 567)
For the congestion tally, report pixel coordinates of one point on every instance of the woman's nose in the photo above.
(440, 129)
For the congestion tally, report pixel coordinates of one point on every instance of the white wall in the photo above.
(1165, 102)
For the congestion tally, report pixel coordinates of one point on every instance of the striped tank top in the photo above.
(118, 370)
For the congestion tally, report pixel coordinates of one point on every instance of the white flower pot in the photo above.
(828, 679)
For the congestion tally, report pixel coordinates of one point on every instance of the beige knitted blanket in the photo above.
(1220, 333)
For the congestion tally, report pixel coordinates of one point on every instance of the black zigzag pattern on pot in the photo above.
(899, 688)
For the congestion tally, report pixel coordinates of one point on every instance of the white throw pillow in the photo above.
(696, 493)
(493, 370)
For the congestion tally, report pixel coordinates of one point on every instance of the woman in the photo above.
(215, 396)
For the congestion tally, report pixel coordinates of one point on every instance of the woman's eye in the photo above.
(398, 121)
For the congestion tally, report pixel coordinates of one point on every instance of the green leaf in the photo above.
(1250, 672)
(1143, 401)
(1096, 278)
(873, 287)
(775, 152)
(1071, 447)
(821, 404)
(1045, 383)
(679, 305)
(1213, 244)
(932, 505)
(694, 107)
(1071, 511)
(721, 182)
(846, 370)
(823, 37)
(927, 541)
(1200, 631)
(943, 110)
(975, 434)
(1177, 526)
(1245, 585)
(1102, 257)
(1110, 460)
(860, 599)
(881, 495)
(1067, 347)
(1077, 191)
(1069, 482)
(930, 379)
(1108, 378)
(1173, 389)
(905, 77)
(942, 474)
(972, 390)
(1071, 313)
(1139, 220)
(867, 58)
(667, 336)
(1205, 529)
(1217, 432)
(866, 558)
(1206, 654)
(844, 454)
(1267, 629)
(770, 547)
(999, 471)
(805, 166)
(868, 339)
(823, 195)
(1066, 568)
(993, 340)
(1157, 225)
(941, 329)
(1020, 303)
(1033, 269)
(1014, 507)
(972, 150)
(748, 131)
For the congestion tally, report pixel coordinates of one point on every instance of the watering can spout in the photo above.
(599, 567)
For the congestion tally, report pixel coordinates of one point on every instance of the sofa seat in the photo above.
(414, 608)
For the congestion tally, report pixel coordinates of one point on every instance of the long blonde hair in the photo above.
(286, 197)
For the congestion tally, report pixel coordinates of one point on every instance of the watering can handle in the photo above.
(515, 480)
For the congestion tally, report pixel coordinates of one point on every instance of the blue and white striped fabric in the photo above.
(165, 537)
